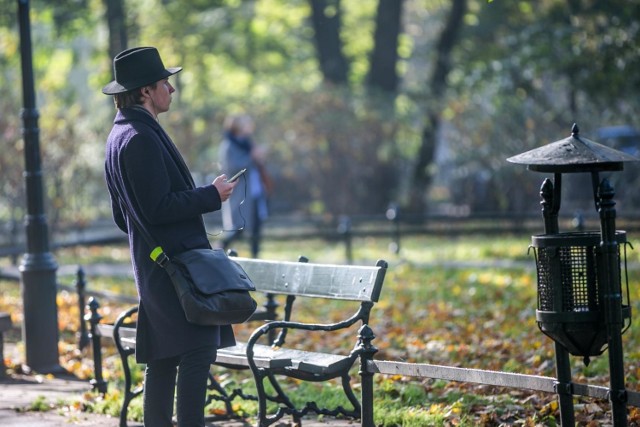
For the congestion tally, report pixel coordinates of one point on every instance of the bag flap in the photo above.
(212, 271)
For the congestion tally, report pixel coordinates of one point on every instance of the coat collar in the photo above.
(125, 115)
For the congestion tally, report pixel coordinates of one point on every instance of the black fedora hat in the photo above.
(137, 67)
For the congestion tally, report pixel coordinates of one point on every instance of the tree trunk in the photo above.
(384, 58)
(326, 18)
(438, 84)
(572, 69)
(116, 21)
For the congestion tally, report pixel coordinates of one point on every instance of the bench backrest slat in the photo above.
(348, 282)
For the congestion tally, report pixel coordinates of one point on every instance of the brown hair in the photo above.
(235, 123)
(130, 98)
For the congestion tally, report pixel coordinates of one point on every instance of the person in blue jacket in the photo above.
(147, 177)
(245, 211)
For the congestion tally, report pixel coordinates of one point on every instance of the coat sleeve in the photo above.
(118, 216)
(156, 185)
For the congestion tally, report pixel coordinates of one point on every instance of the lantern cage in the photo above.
(570, 290)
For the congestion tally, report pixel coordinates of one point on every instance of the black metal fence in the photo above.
(342, 229)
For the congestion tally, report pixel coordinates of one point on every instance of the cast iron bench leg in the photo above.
(348, 391)
(224, 397)
(263, 419)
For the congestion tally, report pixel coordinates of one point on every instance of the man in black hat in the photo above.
(148, 181)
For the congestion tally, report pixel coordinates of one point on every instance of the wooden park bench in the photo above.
(266, 352)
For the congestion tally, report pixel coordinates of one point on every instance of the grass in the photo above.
(473, 314)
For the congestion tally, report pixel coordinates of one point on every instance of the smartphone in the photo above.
(236, 176)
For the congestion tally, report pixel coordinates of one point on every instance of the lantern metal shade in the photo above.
(573, 154)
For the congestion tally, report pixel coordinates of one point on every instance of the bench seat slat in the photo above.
(268, 357)
(128, 342)
(105, 330)
(265, 356)
(127, 334)
(320, 363)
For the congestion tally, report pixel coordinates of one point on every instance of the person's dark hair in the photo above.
(130, 98)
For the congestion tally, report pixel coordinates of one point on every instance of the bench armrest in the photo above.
(283, 324)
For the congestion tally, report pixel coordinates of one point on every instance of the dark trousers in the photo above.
(160, 385)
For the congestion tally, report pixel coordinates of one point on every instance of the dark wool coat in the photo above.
(145, 172)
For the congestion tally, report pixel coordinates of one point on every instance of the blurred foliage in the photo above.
(522, 73)
(543, 65)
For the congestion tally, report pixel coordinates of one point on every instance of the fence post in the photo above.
(5, 325)
(81, 285)
(13, 233)
(271, 307)
(98, 383)
(367, 350)
(344, 229)
(393, 215)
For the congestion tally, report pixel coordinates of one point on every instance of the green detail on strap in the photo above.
(156, 252)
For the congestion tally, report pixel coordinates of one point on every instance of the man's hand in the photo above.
(224, 188)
